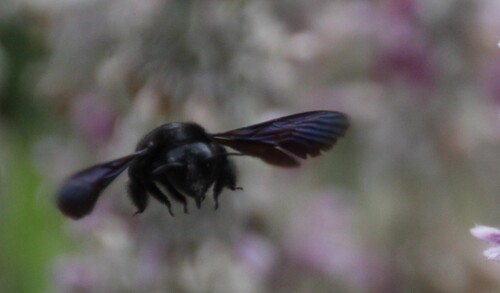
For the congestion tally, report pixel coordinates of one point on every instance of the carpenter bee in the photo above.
(185, 160)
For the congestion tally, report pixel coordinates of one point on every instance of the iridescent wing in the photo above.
(281, 141)
(80, 192)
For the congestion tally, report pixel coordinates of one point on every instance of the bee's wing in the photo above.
(280, 141)
(79, 193)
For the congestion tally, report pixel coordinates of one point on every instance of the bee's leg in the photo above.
(137, 189)
(230, 176)
(226, 178)
(138, 195)
(159, 195)
(176, 195)
(199, 200)
(158, 174)
(218, 186)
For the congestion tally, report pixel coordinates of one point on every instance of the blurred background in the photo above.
(387, 210)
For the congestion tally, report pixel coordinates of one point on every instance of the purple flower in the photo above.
(74, 276)
(323, 239)
(403, 50)
(257, 254)
(94, 117)
(490, 235)
(491, 73)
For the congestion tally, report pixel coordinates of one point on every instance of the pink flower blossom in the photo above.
(323, 239)
(490, 235)
(404, 52)
(93, 117)
(257, 253)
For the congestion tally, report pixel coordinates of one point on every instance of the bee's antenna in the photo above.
(172, 166)
(233, 154)
(141, 152)
(229, 154)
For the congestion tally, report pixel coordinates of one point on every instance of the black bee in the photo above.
(186, 160)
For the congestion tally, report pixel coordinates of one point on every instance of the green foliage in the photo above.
(30, 233)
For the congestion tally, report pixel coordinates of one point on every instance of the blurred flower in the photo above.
(323, 239)
(74, 276)
(488, 79)
(490, 235)
(94, 118)
(487, 24)
(492, 87)
(257, 254)
(404, 52)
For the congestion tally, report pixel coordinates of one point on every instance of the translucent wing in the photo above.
(280, 141)
(80, 192)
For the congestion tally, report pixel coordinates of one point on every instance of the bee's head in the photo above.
(195, 168)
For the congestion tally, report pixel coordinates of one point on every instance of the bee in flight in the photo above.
(186, 160)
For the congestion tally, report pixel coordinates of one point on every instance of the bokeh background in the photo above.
(388, 210)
